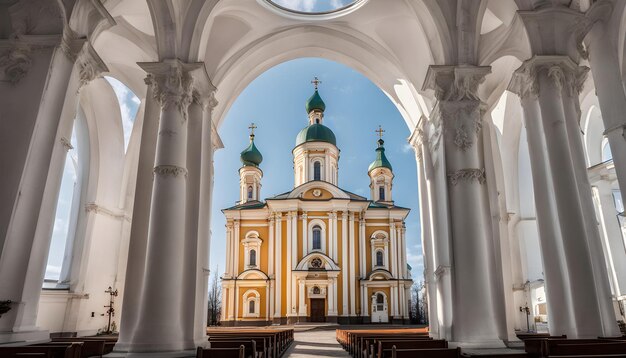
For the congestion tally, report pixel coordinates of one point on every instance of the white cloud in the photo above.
(53, 272)
(407, 148)
(297, 5)
(128, 106)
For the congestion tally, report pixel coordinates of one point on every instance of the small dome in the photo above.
(381, 159)
(315, 102)
(251, 155)
(316, 133)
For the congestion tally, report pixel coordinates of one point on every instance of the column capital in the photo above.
(172, 82)
(203, 89)
(90, 65)
(565, 73)
(71, 44)
(455, 83)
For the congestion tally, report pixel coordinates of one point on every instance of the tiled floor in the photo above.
(315, 343)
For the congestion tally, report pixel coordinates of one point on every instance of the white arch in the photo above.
(328, 263)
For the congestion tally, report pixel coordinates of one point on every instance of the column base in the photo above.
(24, 338)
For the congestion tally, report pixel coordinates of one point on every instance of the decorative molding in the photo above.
(15, 63)
(70, 44)
(167, 132)
(170, 170)
(565, 73)
(90, 65)
(467, 175)
(462, 120)
(98, 209)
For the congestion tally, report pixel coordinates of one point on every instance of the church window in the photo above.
(317, 237)
(317, 171)
(379, 258)
(606, 150)
(252, 257)
(380, 302)
(381, 193)
(251, 306)
(249, 192)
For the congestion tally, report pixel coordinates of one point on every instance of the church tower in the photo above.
(316, 154)
(250, 174)
(381, 173)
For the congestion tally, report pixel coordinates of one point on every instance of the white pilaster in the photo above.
(305, 243)
(278, 273)
(393, 254)
(335, 254)
(290, 288)
(271, 250)
(301, 296)
(352, 243)
(236, 245)
(331, 236)
(344, 263)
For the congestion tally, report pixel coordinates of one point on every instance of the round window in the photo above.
(313, 6)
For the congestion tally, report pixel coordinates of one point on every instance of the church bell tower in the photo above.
(381, 173)
(250, 174)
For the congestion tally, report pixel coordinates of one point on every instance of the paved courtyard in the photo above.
(315, 343)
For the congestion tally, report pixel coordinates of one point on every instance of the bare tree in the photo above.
(214, 300)
(419, 306)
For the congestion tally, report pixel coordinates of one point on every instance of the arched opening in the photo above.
(252, 258)
(380, 260)
(317, 171)
(317, 238)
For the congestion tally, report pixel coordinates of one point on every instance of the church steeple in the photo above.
(249, 174)
(381, 172)
(315, 106)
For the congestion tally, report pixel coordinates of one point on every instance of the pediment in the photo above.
(318, 190)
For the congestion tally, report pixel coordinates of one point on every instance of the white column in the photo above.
(268, 314)
(278, 273)
(344, 263)
(459, 110)
(289, 278)
(236, 247)
(607, 79)
(29, 212)
(161, 322)
(612, 236)
(362, 252)
(294, 256)
(331, 297)
(236, 301)
(231, 303)
(394, 301)
(141, 217)
(301, 304)
(335, 254)
(573, 264)
(229, 246)
(270, 250)
(335, 300)
(331, 236)
(272, 300)
(364, 310)
(399, 250)
(305, 243)
(352, 243)
(393, 254)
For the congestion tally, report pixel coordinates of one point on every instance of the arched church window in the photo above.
(317, 171)
(379, 258)
(381, 193)
(606, 150)
(316, 290)
(317, 237)
(380, 302)
(250, 192)
(252, 257)
(251, 306)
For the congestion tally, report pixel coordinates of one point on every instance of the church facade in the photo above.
(316, 253)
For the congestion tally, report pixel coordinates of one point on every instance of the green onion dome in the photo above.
(251, 155)
(381, 159)
(316, 133)
(315, 102)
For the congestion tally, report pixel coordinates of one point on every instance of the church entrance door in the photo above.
(317, 310)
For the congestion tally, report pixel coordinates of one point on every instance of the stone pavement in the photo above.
(315, 343)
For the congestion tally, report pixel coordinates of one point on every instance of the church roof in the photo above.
(251, 156)
(381, 160)
(316, 133)
(286, 195)
(252, 204)
(315, 102)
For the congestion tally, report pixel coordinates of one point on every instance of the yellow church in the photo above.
(317, 253)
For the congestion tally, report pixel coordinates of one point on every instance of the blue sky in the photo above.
(313, 5)
(354, 108)
(275, 102)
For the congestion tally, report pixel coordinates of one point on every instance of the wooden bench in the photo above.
(384, 347)
(49, 351)
(109, 341)
(574, 349)
(426, 353)
(249, 346)
(90, 348)
(221, 352)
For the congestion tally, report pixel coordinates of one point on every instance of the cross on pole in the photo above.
(252, 127)
(380, 132)
(316, 82)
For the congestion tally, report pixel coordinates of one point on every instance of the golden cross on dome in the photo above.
(252, 127)
(316, 82)
(380, 132)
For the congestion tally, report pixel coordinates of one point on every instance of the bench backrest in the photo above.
(385, 347)
(588, 348)
(221, 352)
(249, 345)
(51, 351)
(89, 348)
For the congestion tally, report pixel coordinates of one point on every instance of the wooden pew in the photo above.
(90, 348)
(221, 352)
(536, 347)
(50, 351)
(593, 349)
(384, 348)
(109, 341)
(249, 346)
(426, 353)
(371, 344)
